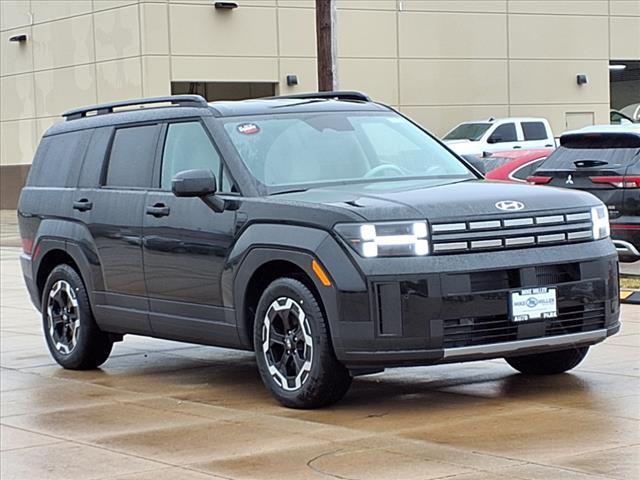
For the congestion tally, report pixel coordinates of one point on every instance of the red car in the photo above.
(514, 165)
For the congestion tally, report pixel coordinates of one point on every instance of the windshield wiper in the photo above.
(293, 190)
(589, 163)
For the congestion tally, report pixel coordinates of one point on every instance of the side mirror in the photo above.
(198, 183)
(194, 183)
(494, 139)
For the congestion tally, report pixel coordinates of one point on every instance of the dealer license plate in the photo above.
(533, 304)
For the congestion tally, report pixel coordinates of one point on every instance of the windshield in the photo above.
(468, 131)
(338, 147)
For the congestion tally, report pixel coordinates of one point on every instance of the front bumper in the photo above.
(521, 347)
(455, 308)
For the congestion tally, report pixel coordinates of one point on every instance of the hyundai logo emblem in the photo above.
(511, 205)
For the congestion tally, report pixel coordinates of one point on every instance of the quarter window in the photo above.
(227, 185)
(187, 147)
(58, 159)
(527, 170)
(505, 133)
(534, 131)
(131, 159)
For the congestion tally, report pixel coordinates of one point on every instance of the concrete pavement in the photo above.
(630, 268)
(164, 410)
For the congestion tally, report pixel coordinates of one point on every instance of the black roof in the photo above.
(184, 106)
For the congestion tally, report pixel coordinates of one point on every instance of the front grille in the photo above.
(466, 332)
(492, 280)
(562, 273)
(510, 232)
(576, 319)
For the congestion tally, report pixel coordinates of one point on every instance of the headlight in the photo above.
(600, 222)
(386, 239)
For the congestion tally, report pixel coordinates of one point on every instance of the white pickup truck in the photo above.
(500, 134)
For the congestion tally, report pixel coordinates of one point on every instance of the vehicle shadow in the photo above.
(220, 377)
(463, 384)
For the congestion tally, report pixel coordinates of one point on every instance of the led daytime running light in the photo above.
(600, 222)
(372, 241)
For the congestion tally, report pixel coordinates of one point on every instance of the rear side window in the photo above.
(527, 170)
(58, 160)
(505, 133)
(187, 146)
(131, 158)
(534, 131)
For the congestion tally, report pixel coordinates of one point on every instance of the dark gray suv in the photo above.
(604, 161)
(326, 232)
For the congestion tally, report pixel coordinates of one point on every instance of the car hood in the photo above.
(381, 201)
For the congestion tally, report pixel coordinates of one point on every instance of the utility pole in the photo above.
(326, 36)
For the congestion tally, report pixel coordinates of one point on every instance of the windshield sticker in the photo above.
(248, 128)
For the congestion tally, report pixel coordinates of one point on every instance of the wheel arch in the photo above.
(264, 275)
(59, 253)
(261, 267)
(53, 247)
(289, 251)
(51, 260)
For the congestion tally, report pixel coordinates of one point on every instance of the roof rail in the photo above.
(339, 95)
(104, 108)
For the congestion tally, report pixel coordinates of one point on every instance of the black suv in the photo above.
(604, 161)
(327, 232)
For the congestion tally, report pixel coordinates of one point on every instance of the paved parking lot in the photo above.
(163, 410)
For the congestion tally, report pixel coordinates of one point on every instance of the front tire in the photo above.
(73, 338)
(549, 363)
(293, 348)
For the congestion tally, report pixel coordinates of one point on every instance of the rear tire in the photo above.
(293, 348)
(549, 363)
(73, 338)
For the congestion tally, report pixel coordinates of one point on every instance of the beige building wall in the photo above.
(440, 61)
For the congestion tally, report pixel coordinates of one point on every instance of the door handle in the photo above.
(517, 146)
(83, 205)
(158, 210)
